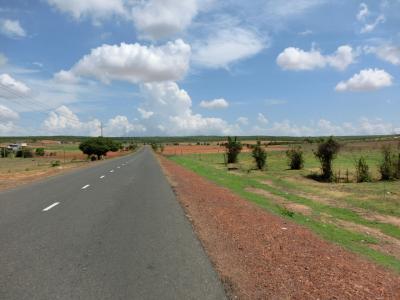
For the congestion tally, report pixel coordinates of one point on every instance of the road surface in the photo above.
(112, 231)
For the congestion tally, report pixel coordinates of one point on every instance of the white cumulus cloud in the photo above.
(243, 121)
(363, 13)
(133, 63)
(369, 27)
(12, 28)
(153, 19)
(63, 121)
(386, 52)
(262, 119)
(7, 114)
(121, 126)
(173, 114)
(97, 9)
(366, 80)
(67, 77)
(144, 113)
(157, 19)
(216, 103)
(364, 17)
(323, 127)
(227, 46)
(299, 60)
(12, 88)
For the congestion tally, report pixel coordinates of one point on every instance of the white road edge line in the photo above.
(51, 206)
(101, 177)
(85, 187)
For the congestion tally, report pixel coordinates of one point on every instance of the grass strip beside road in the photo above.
(354, 241)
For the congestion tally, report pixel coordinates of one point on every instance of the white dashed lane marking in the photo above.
(85, 187)
(51, 206)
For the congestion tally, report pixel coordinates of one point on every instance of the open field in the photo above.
(58, 158)
(184, 149)
(362, 217)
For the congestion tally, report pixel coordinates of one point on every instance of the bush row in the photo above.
(326, 152)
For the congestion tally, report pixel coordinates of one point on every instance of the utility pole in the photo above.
(101, 129)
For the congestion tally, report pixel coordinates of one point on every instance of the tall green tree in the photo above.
(98, 146)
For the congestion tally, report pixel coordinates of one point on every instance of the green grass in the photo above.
(211, 166)
(66, 147)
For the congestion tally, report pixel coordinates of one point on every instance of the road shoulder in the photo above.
(259, 255)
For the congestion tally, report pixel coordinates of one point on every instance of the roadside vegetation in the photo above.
(355, 202)
(99, 147)
(43, 158)
(259, 155)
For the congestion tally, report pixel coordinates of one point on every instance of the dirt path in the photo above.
(261, 256)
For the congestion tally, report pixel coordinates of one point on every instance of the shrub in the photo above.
(326, 153)
(387, 167)
(132, 147)
(397, 174)
(24, 153)
(233, 148)
(39, 152)
(55, 163)
(286, 212)
(4, 152)
(259, 155)
(362, 170)
(154, 146)
(295, 158)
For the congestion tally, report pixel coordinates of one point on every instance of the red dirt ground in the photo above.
(262, 256)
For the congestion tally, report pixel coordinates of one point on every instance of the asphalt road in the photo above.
(112, 231)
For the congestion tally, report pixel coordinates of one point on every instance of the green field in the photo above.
(362, 217)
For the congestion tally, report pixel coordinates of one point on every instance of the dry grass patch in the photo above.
(295, 207)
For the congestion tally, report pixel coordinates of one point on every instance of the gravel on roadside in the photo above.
(259, 255)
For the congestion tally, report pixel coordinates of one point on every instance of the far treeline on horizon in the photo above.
(201, 139)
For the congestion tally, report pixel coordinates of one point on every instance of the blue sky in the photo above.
(169, 67)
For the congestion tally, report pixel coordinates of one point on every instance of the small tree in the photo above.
(387, 167)
(259, 155)
(295, 158)
(326, 153)
(132, 146)
(24, 153)
(397, 171)
(154, 146)
(5, 152)
(233, 148)
(362, 170)
(98, 146)
(39, 152)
